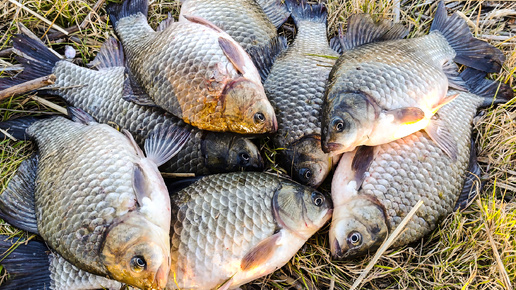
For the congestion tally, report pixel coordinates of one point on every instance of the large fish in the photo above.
(193, 70)
(94, 197)
(295, 86)
(374, 188)
(99, 93)
(382, 91)
(251, 23)
(226, 229)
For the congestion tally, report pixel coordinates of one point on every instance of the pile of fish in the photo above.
(193, 94)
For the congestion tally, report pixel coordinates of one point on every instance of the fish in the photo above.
(193, 70)
(93, 196)
(384, 87)
(99, 92)
(374, 188)
(253, 24)
(295, 84)
(229, 229)
(226, 229)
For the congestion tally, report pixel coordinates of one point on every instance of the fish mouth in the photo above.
(161, 278)
(336, 250)
(329, 147)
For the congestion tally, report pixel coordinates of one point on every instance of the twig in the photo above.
(28, 86)
(386, 244)
(72, 29)
(39, 17)
(94, 10)
(8, 135)
(177, 175)
(49, 104)
(499, 262)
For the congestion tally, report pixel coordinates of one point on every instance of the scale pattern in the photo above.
(244, 20)
(414, 168)
(95, 167)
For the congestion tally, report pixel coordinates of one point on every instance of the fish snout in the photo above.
(161, 278)
(338, 252)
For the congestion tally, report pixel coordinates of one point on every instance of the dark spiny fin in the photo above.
(440, 134)
(133, 92)
(264, 57)
(17, 204)
(361, 162)
(470, 51)
(260, 253)
(233, 53)
(202, 21)
(302, 11)
(80, 116)
(335, 45)
(165, 142)
(165, 23)
(36, 58)
(493, 92)
(128, 8)
(275, 10)
(28, 265)
(175, 185)
(362, 30)
(111, 54)
(472, 184)
(17, 127)
(450, 69)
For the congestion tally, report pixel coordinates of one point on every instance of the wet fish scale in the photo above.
(248, 29)
(71, 232)
(238, 223)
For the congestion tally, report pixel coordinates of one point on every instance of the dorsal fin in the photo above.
(233, 53)
(202, 21)
(111, 54)
(275, 10)
(165, 23)
(362, 30)
(264, 57)
(80, 116)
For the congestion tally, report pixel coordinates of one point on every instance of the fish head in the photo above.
(357, 226)
(137, 252)
(306, 162)
(226, 152)
(300, 209)
(247, 109)
(347, 121)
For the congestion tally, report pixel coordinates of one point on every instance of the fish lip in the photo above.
(161, 278)
(338, 252)
(332, 146)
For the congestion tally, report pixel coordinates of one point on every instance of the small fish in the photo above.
(381, 91)
(253, 24)
(374, 188)
(99, 93)
(226, 229)
(295, 86)
(94, 197)
(193, 70)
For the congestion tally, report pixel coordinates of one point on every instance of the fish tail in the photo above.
(27, 263)
(492, 92)
(36, 58)
(469, 51)
(302, 11)
(128, 8)
(264, 57)
(275, 10)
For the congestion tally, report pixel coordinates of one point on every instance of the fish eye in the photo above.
(355, 239)
(138, 263)
(243, 158)
(259, 118)
(305, 174)
(317, 199)
(338, 124)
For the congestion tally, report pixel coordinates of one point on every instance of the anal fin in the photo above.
(472, 183)
(133, 92)
(260, 253)
(440, 134)
(17, 202)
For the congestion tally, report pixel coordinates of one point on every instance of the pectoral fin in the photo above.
(407, 115)
(361, 162)
(440, 134)
(202, 21)
(233, 53)
(165, 142)
(260, 253)
(444, 101)
(131, 92)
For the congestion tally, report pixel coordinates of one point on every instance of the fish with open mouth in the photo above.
(383, 88)
(193, 70)
(94, 197)
(374, 188)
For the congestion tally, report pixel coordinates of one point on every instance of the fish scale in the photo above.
(73, 233)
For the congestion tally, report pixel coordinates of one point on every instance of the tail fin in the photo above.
(470, 51)
(264, 57)
(306, 12)
(35, 57)
(17, 127)
(275, 11)
(493, 92)
(27, 264)
(128, 8)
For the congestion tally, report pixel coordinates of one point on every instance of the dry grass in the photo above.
(458, 255)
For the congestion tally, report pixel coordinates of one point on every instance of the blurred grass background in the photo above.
(459, 254)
